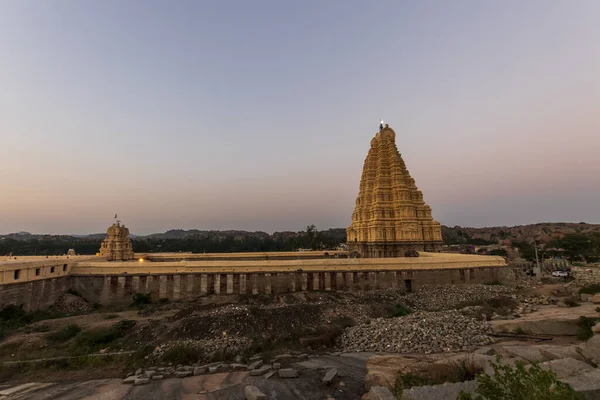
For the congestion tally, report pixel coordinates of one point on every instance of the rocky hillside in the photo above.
(544, 232)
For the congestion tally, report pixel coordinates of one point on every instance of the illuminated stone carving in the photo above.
(390, 217)
(117, 245)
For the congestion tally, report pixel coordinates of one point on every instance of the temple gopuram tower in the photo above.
(390, 217)
(117, 245)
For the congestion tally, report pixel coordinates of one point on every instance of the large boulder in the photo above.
(557, 352)
(529, 353)
(591, 349)
(566, 367)
(253, 393)
(587, 384)
(439, 392)
(379, 393)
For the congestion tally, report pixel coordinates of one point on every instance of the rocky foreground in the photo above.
(421, 332)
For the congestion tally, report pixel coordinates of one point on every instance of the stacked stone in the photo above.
(421, 332)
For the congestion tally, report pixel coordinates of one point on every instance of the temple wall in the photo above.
(37, 282)
(119, 290)
(36, 294)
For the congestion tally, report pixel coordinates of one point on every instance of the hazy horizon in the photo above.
(258, 115)
(269, 232)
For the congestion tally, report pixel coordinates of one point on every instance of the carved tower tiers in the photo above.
(117, 245)
(390, 216)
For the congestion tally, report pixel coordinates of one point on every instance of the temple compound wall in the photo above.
(37, 282)
(119, 289)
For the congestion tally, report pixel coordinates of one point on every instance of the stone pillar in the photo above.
(203, 283)
(339, 281)
(372, 280)
(292, 276)
(349, 280)
(327, 281)
(304, 281)
(176, 287)
(315, 281)
(148, 286)
(267, 283)
(121, 287)
(254, 278)
(382, 280)
(394, 277)
(106, 297)
(217, 283)
(135, 284)
(162, 287)
(229, 284)
(242, 283)
(189, 287)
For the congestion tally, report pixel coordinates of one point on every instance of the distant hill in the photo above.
(542, 233)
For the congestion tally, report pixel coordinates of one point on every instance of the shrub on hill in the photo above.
(519, 383)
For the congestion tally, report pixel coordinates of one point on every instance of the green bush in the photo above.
(436, 374)
(39, 328)
(585, 324)
(401, 311)
(494, 283)
(12, 317)
(103, 336)
(66, 333)
(517, 383)
(182, 355)
(141, 299)
(124, 325)
(99, 337)
(592, 288)
(597, 309)
(466, 370)
(571, 302)
(406, 381)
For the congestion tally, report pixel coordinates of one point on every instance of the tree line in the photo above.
(574, 247)
(311, 238)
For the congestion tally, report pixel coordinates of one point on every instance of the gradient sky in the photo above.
(258, 114)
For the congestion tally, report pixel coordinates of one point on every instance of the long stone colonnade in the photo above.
(36, 282)
(116, 283)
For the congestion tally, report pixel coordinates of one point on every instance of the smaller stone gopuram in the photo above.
(117, 245)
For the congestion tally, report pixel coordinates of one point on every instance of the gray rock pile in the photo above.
(208, 348)
(421, 332)
(70, 304)
(445, 297)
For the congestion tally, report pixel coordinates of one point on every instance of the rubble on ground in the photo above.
(70, 304)
(208, 348)
(421, 332)
(447, 297)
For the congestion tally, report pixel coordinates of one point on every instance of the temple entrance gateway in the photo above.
(390, 218)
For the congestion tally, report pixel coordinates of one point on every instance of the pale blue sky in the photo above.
(258, 114)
